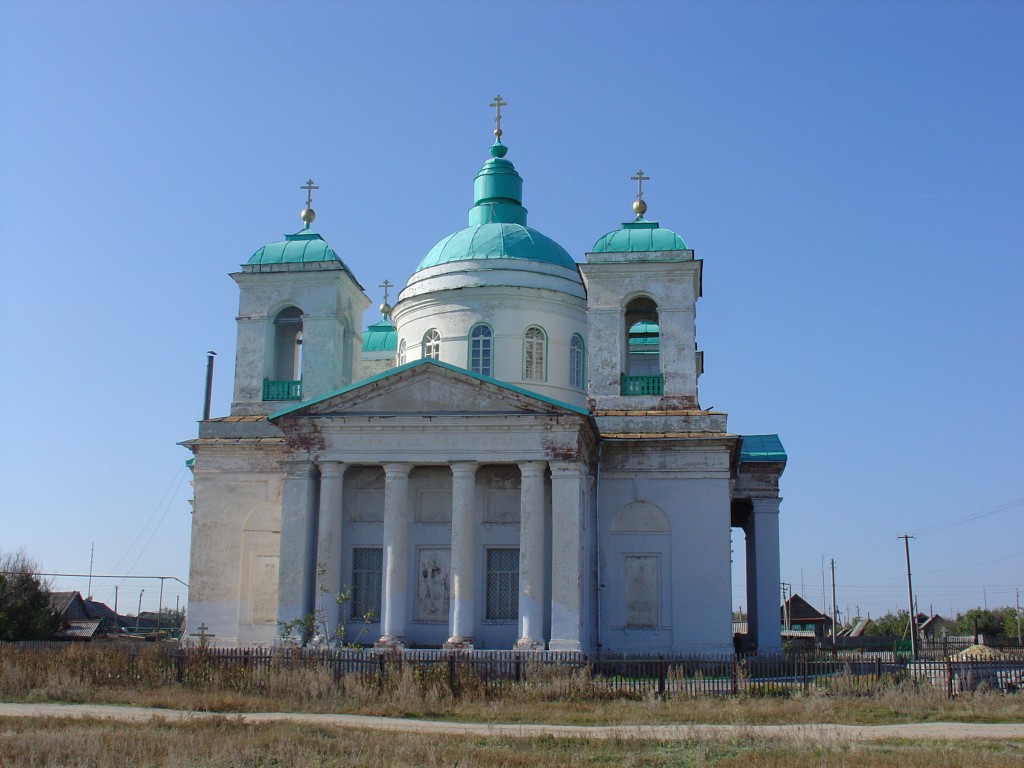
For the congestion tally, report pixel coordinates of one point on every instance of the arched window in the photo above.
(481, 350)
(643, 349)
(287, 362)
(401, 352)
(577, 362)
(432, 344)
(534, 362)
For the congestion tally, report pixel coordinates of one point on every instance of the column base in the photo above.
(527, 644)
(389, 641)
(564, 645)
(459, 643)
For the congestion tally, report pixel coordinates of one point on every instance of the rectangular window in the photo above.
(642, 588)
(367, 573)
(502, 585)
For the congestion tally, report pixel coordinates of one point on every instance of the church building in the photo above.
(514, 455)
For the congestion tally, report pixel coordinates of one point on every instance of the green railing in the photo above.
(642, 385)
(282, 390)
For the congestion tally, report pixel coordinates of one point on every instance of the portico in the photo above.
(470, 553)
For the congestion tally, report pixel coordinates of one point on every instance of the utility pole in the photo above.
(92, 555)
(835, 612)
(1018, 615)
(138, 613)
(910, 596)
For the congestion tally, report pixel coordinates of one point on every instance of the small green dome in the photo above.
(639, 235)
(303, 246)
(497, 241)
(380, 337)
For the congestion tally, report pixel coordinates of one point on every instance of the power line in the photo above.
(1006, 505)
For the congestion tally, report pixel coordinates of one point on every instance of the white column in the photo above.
(531, 555)
(297, 567)
(328, 555)
(462, 616)
(396, 554)
(567, 494)
(763, 572)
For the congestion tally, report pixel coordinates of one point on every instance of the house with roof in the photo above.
(77, 623)
(513, 456)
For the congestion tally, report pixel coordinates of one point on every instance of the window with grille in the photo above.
(432, 344)
(367, 572)
(502, 584)
(480, 350)
(577, 375)
(534, 343)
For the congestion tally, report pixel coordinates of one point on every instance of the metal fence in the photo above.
(492, 673)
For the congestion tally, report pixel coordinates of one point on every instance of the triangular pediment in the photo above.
(429, 388)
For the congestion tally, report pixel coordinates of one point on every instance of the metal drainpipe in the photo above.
(597, 534)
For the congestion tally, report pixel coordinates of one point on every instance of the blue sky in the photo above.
(851, 174)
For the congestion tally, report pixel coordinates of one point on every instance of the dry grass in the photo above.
(107, 675)
(226, 743)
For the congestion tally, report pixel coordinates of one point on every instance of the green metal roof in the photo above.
(644, 332)
(304, 246)
(497, 241)
(639, 235)
(761, 448)
(497, 223)
(380, 337)
(438, 363)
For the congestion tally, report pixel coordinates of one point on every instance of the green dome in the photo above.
(303, 246)
(497, 223)
(380, 337)
(639, 235)
(497, 241)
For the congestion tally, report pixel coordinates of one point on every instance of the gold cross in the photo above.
(309, 187)
(640, 179)
(497, 104)
(385, 285)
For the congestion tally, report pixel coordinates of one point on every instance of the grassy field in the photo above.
(77, 674)
(227, 743)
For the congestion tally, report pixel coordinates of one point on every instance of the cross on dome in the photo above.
(385, 308)
(639, 206)
(308, 214)
(497, 104)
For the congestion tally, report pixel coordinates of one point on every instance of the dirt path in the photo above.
(804, 732)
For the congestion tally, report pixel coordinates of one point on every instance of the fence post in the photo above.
(807, 681)
(949, 679)
(451, 674)
(734, 674)
(519, 668)
(661, 674)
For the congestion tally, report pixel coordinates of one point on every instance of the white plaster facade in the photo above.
(495, 508)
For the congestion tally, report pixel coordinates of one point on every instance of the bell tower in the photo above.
(642, 289)
(299, 314)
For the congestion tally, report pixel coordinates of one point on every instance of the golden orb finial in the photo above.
(307, 215)
(385, 310)
(639, 207)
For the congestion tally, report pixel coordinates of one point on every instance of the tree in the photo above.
(990, 623)
(25, 611)
(889, 625)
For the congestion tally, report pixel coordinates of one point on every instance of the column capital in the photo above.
(532, 468)
(331, 468)
(297, 469)
(463, 468)
(765, 504)
(397, 469)
(567, 468)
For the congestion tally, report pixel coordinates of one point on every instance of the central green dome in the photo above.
(497, 241)
(497, 223)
